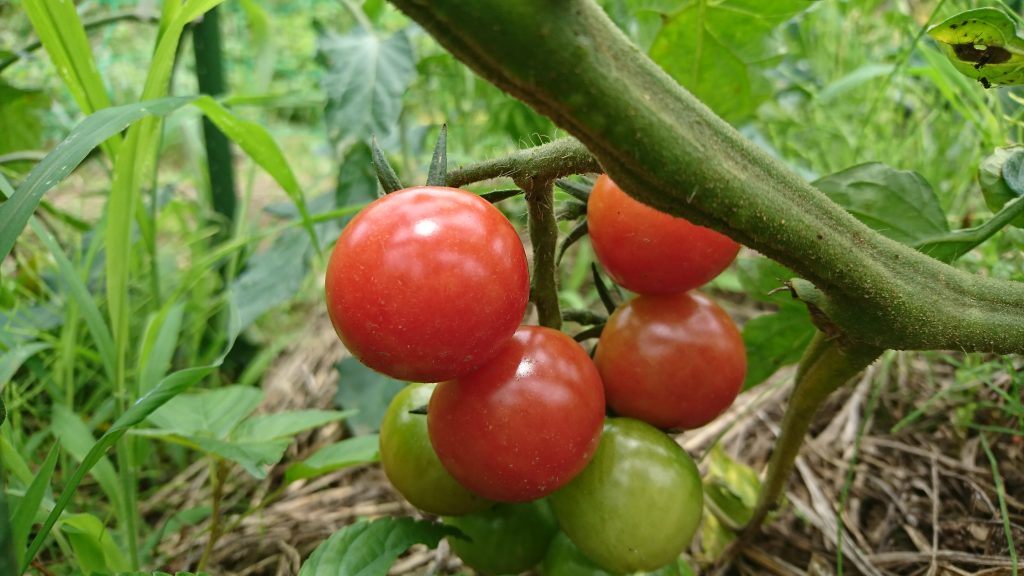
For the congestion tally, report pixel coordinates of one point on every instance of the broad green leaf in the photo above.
(171, 386)
(93, 544)
(369, 391)
(983, 44)
(265, 427)
(357, 182)
(76, 439)
(272, 278)
(369, 548)
(775, 340)
(209, 413)
(255, 457)
(996, 180)
(762, 277)
(21, 116)
(349, 452)
(25, 514)
(712, 49)
(899, 204)
(365, 78)
(61, 32)
(11, 360)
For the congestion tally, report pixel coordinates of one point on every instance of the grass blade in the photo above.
(25, 513)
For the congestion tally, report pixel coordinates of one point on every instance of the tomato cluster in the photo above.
(430, 284)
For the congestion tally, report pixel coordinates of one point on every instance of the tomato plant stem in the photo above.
(218, 471)
(556, 159)
(825, 366)
(544, 238)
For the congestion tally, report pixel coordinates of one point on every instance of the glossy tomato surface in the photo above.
(523, 424)
(507, 539)
(426, 283)
(673, 361)
(412, 466)
(651, 252)
(638, 503)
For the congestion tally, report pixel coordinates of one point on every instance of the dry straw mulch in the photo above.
(918, 501)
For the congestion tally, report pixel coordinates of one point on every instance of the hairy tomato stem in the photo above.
(543, 226)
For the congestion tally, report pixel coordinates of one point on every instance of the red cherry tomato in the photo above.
(523, 424)
(650, 252)
(673, 361)
(425, 284)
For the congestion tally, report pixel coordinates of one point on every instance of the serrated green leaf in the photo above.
(775, 340)
(349, 452)
(209, 413)
(899, 204)
(369, 548)
(712, 49)
(93, 544)
(368, 391)
(365, 78)
(983, 44)
(264, 427)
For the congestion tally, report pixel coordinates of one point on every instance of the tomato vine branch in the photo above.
(563, 157)
(544, 237)
(666, 148)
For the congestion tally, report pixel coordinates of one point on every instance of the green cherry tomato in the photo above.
(506, 539)
(411, 464)
(638, 503)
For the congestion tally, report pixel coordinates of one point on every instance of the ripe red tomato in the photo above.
(525, 423)
(412, 466)
(637, 504)
(425, 284)
(507, 539)
(673, 361)
(651, 252)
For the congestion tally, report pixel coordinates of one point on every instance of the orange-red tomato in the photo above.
(525, 423)
(426, 284)
(673, 361)
(650, 252)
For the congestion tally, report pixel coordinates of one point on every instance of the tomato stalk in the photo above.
(543, 227)
(826, 366)
(554, 160)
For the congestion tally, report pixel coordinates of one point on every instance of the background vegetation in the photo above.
(129, 280)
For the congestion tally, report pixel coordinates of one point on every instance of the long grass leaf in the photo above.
(25, 514)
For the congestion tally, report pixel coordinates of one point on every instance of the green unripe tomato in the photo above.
(506, 539)
(411, 464)
(638, 503)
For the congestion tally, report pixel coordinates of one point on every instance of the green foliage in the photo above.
(369, 391)
(93, 544)
(369, 548)
(22, 118)
(349, 452)
(999, 185)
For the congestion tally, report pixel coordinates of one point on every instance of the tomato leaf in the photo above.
(983, 44)
(272, 278)
(349, 452)
(899, 204)
(714, 50)
(369, 548)
(774, 341)
(365, 78)
(369, 391)
(1001, 180)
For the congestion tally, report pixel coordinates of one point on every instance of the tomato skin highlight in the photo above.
(410, 463)
(525, 423)
(638, 503)
(673, 361)
(507, 539)
(425, 284)
(648, 251)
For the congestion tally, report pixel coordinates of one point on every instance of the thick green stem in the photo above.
(543, 226)
(824, 368)
(669, 150)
